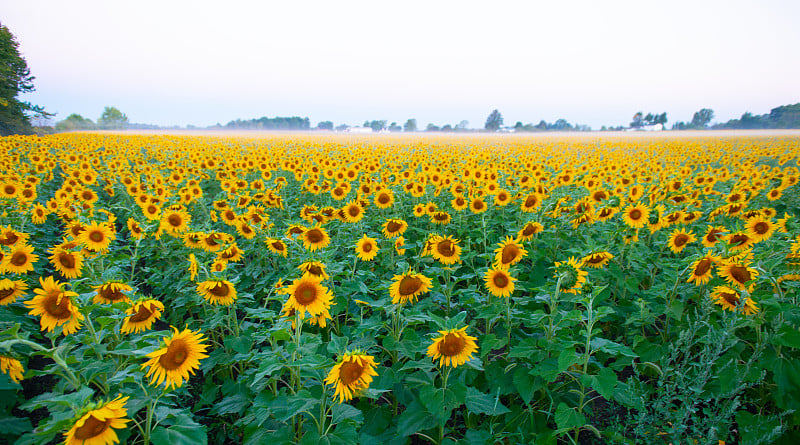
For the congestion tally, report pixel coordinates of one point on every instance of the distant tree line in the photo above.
(111, 119)
(785, 116)
(266, 123)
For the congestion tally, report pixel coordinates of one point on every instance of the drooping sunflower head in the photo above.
(731, 300)
(12, 367)
(97, 422)
(398, 245)
(315, 269)
(55, 306)
(571, 275)
(712, 235)
(453, 347)
(394, 227)
(499, 282)
(112, 292)
(231, 254)
(700, 270)
(366, 248)
(277, 246)
(217, 292)
(509, 252)
(528, 230)
(440, 218)
(596, 260)
(180, 357)
(408, 287)
(352, 374)
(136, 230)
(679, 239)
(142, 315)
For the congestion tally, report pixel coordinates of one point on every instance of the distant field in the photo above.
(245, 287)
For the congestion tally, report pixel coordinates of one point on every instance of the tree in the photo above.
(638, 120)
(394, 128)
(75, 122)
(432, 127)
(462, 126)
(15, 79)
(325, 125)
(376, 125)
(494, 121)
(112, 119)
(410, 125)
(702, 118)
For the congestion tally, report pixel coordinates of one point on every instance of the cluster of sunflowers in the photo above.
(291, 207)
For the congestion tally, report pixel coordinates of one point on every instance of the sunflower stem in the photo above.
(52, 353)
(134, 257)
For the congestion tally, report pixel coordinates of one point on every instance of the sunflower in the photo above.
(19, 260)
(419, 210)
(11, 290)
(679, 239)
(636, 216)
(398, 245)
(217, 291)
(244, 229)
(459, 203)
(353, 212)
(408, 286)
(702, 268)
(315, 238)
(509, 252)
(306, 294)
(712, 235)
(760, 228)
(477, 205)
(351, 375)
(231, 254)
(96, 426)
(366, 248)
(180, 357)
(730, 300)
(39, 214)
(55, 306)
(12, 367)
(528, 230)
(136, 230)
(499, 282)
(446, 250)
(502, 198)
(394, 227)
(738, 273)
(193, 267)
(214, 241)
(440, 217)
(596, 260)
(315, 269)
(572, 276)
(740, 240)
(151, 211)
(10, 237)
(277, 246)
(111, 292)
(141, 316)
(175, 221)
(453, 347)
(97, 237)
(531, 202)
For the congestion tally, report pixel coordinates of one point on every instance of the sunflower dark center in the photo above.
(635, 214)
(10, 190)
(595, 259)
(440, 216)
(277, 245)
(8, 239)
(57, 309)
(509, 253)
(354, 211)
(702, 267)
(531, 201)
(393, 226)
(500, 280)
(731, 297)
(92, 427)
(220, 289)
(177, 353)
(681, 239)
(110, 293)
(142, 314)
(409, 285)
(445, 248)
(19, 259)
(528, 230)
(383, 198)
(6, 292)
(175, 220)
(367, 247)
(740, 274)
(478, 205)
(712, 236)
(305, 294)
(350, 372)
(761, 227)
(739, 239)
(451, 345)
(314, 236)
(97, 236)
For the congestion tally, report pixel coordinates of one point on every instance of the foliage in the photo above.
(75, 122)
(112, 119)
(15, 79)
(265, 123)
(494, 121)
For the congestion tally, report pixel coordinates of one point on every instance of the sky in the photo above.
(590, 62)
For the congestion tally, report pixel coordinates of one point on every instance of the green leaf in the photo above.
(757, 428)
(787, 336)
(414, 419)
(14, 426)
(183, 431)
(567, 418)
(480, 403)
(605, 382)
(525, 383)
(567, 358)
(342, 412)
(610, 347)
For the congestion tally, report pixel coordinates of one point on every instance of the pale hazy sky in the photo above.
(591, 62)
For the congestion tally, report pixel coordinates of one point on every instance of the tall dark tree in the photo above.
(15, 78)
(638, 120)
(494, 121)
(702, 117)
(112, 119)
(410, 125)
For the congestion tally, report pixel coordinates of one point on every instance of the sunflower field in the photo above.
(285, 289)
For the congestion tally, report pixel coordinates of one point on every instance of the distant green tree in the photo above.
(447, 128)
(702, 118)
(377, 125)
(112, 119)
(462, 126)
(638, 120)
(410, 125)
(394, 128)
(75, 122)
(15, 79)
(494, 121)
(432, 127)
(325, 125)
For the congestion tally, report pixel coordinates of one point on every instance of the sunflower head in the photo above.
(731, 300)
(408, 287)
(509, 252)
(142, 315)
(446, 250)
(571, 274)
(453, 347)
(180, 357)
(351, 374)
(499, 282)
(366, 248)
(596, 260)
(96, 423)
(11, 290)
(217, 292)
(111, 292)
(306, 294)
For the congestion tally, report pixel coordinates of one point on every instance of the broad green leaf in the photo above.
(568, 418)
(480, 403)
